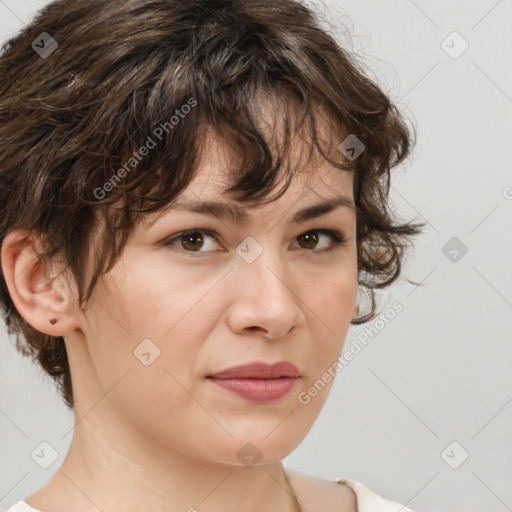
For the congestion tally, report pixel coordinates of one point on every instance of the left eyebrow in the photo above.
(236, 215)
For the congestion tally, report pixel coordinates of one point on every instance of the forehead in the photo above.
(215, 176)
(314, 179)
(305, 199)
(219, 162)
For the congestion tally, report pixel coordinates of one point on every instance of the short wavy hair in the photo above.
(89, 84)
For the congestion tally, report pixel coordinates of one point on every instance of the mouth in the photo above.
(258, 382)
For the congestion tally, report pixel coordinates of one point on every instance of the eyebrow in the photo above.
(235, 214)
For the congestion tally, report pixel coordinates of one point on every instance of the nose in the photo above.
(267, 302)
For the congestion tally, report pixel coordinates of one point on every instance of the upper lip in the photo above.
(259, 370)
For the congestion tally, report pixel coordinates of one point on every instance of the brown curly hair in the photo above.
(115, 71)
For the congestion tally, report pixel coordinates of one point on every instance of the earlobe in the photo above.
(41, 299)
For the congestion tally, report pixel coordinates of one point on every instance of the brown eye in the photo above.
(192, 241)
(310, 239)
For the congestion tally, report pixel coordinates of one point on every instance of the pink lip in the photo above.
(259, 371)
(259, 382)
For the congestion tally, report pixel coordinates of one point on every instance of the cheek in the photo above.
(146, 301)
(124, 336)
(143, 351)
(329, 305)
(146, 323)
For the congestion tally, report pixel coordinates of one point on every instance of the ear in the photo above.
(36, 290)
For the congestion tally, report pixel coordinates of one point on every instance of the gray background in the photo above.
(439, 372)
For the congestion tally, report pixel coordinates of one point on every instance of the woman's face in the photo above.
(169, 315)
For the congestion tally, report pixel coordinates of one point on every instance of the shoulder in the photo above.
(21, 506)
(341, 495)
(318, 494)
(368, 501)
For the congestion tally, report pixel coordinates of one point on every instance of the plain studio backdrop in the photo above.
(422, 414)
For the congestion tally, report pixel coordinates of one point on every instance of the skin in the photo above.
(162, 437)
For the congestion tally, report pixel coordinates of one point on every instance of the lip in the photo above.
(259, 370)
(258, 382)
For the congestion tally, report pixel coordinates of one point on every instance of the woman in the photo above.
(191, 317)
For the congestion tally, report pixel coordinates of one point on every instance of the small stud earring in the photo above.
(53, 321)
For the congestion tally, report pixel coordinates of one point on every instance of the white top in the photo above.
(367, 501)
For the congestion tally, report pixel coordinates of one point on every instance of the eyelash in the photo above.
(338, 240)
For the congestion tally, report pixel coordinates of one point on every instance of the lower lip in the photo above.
(258, 390)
